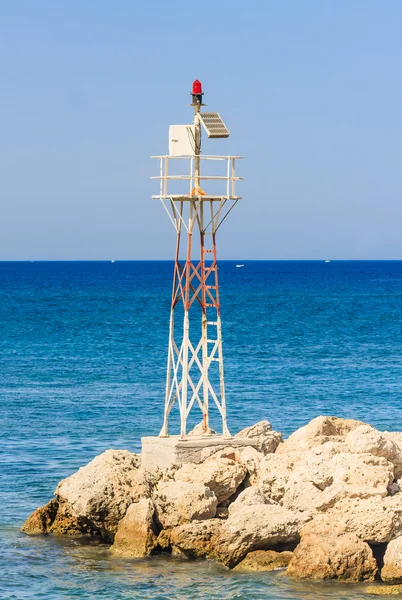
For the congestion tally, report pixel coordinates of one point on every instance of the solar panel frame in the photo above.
(213, 125)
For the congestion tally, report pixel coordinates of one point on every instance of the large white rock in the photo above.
(251, 496)
(374, 520)
(220, 474)
(135, 535)
(179, 502)
(361, 476)
(194, 539)
(367, 440)
(252, 459)
(317, 432)
(275, 470)
(311, 480)
(392, 569)
(344, 557)
(258, 527)
(199, 430)
(102, 490)
(262, 433)
(314, 480)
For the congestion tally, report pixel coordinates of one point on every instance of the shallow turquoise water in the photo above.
(82, 350)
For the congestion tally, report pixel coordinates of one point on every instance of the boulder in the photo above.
(179, 502)
(56, 517)
(135, 536)
(252, 459)
(317, 432)
(266, 440)
(251, 496)
(344, 557)
(258, 527)
(310, 478)
(316, 479)
(396, 437)
(367, 440)
(102, 490)
(199, 430)
(41, 519)
(66, 523)
(392, 569)
(360, 476)
(221, 475)
(275, 470)
(194, 539)
(164, 539)
(264, 560)
(374, 520)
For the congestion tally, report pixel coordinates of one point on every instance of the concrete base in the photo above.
(158, 452)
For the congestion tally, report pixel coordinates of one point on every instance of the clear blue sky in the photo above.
(310, 90)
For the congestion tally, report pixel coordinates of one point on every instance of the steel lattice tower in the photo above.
(196, 217)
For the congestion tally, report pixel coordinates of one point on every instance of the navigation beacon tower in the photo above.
(197, 203)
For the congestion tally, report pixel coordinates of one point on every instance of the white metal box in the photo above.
(181, 140)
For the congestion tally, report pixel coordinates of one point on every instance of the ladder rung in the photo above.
(211, 341)
(211, 287)
(210, 305)
(216, 359)
(212, 322)
(208, 250)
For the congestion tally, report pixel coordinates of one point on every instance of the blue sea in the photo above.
(83, 357)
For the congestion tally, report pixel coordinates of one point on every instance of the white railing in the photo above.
(228, 175)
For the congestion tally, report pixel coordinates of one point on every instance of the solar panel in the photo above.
(213, 125)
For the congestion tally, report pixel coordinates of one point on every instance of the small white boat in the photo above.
(327, 261)
(112, 261)
(239, 266)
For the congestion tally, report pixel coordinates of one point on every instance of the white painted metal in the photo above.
(189, 174)
(181, 140)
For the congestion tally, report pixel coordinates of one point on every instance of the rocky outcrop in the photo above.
(265, 560)
(266, 440)
(344, 557)
(41, 519)
(194, 540)
(251, 496)
(392, 569)
(373, 520)
(56, 517)
(179, 502)
(101, 491)
(163, 540)
(199, 430)
(367, 440)
(331, 492)
(251, 458)
(66, 523)
(258, 527)
(135, 536)
(317, 432)
(220, 474)
(317, 479)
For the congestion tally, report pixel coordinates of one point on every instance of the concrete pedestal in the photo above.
(161, 452)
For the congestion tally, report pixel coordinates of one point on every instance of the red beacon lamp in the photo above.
(196, 92)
